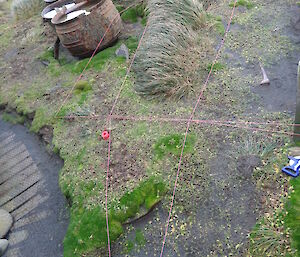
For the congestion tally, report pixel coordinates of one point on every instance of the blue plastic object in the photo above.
(294, 168)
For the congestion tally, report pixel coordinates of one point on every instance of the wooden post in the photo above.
(297, 116)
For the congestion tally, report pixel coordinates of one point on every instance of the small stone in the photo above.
(123, 51)
(46, 63)
(3, 246)
(6, 222)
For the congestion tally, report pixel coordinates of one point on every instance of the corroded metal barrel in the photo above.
(81, 34)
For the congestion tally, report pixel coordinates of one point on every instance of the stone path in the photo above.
(29, 191)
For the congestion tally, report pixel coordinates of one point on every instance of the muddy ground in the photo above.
(218, 200)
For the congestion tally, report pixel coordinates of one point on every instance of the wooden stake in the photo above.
(297, 116)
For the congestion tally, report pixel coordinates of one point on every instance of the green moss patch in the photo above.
(293, 217)
(172, 144)
(99, 60)
(82, 86)
(247, 4)
(217, 67)
(133, 13)
(59, 67)
(42, 117)
(147, 194)
(87, 230)
(13, 118)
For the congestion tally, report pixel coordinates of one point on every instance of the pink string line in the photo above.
(109, 140)
(234, 124)
(188, 126)
(209, 122)
(106, 196)
(128, 71)
(166, 119)
(261, 130)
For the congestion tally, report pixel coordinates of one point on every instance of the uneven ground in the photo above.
(219, 198)
(30, 192)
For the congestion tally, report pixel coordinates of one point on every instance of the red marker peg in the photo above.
(105, 135)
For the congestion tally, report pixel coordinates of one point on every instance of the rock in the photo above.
(3, 246)
(294, 151)
(6, 222)
(123, 51)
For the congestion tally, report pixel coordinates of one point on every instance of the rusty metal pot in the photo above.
(81, 30)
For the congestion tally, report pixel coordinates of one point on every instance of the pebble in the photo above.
(6, 222)
(123, 51)
(3, 246)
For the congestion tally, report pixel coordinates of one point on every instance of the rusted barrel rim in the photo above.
(54, 5)
(60, 16)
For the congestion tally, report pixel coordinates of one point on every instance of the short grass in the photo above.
(292, 218)
(245, 3)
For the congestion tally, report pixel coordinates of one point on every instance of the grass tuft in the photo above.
(217, 67)
(24, 9)
(13, 118)
(293, 217)
(173, 54)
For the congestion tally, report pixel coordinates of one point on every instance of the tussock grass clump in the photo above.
(24, 9)
(270, 238)
(173, 54)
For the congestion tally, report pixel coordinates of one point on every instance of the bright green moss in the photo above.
(42, 117)
(130, 15)
(217, 67)
(220, 28)
(99, 60)
(87, 230)
(82, 86)
(133, 13)
(172, 144)
(245, 3)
